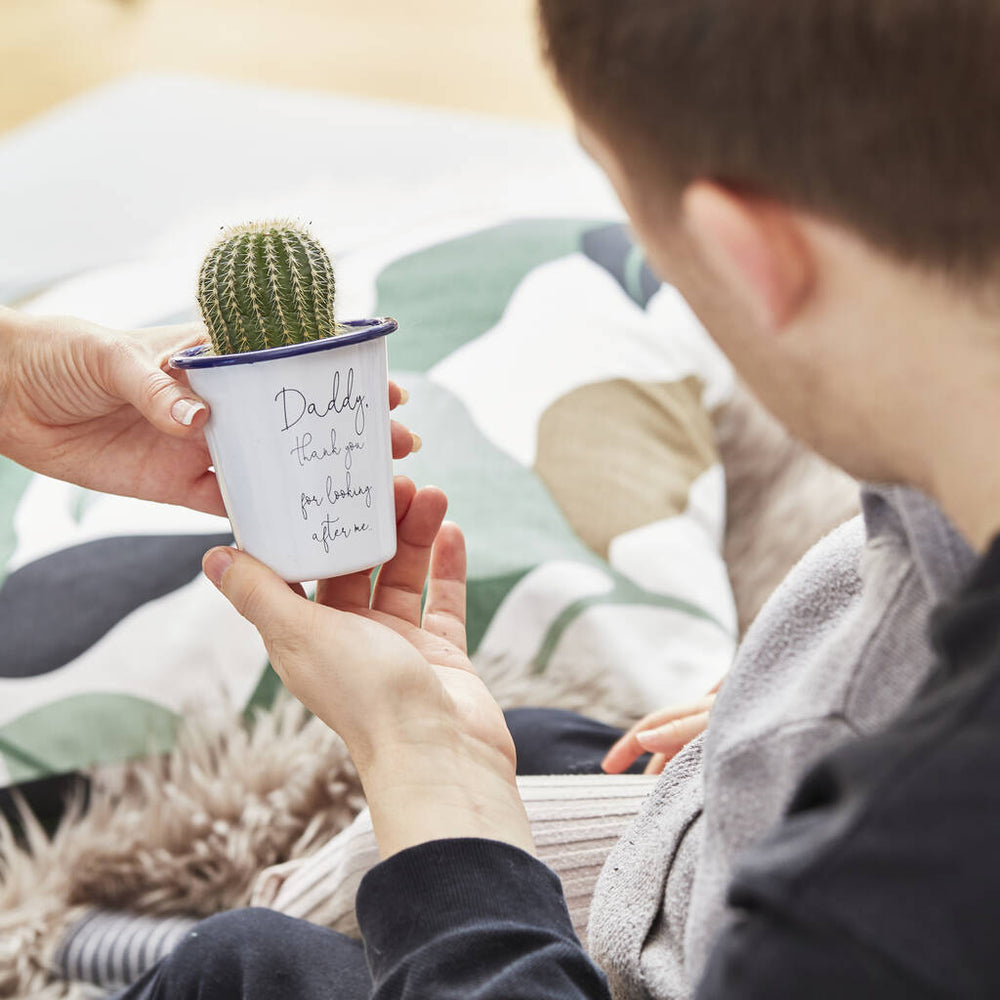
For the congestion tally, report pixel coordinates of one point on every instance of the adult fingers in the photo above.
(281, 616)
(404, 441)
(400, 584)
(353, 592)
(672, 737)
(204, 495)
(444, 614)
(165, 341)
(628, 749)
(397, 395)
(133, 374)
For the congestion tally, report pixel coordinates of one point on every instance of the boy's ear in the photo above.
(755, 247)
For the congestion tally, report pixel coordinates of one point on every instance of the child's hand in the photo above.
(664, 734)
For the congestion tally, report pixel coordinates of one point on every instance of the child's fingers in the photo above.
(671, 738)
(628, 749)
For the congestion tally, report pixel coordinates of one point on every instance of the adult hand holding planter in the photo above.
(100, 408)
(430, 743)
(95, 407)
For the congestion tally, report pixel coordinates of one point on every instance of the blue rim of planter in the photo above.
(361, 330)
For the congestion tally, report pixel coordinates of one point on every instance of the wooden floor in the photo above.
(471, 54)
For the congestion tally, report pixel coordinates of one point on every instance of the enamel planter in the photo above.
(300, 440)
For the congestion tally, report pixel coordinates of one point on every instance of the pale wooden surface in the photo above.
(478, 55)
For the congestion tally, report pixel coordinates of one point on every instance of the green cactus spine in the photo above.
(265, 285)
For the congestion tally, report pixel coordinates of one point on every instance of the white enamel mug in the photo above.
(300, 439)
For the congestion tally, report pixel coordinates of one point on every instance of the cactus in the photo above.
(264, 285)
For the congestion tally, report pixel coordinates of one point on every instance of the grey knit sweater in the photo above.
(839, 650)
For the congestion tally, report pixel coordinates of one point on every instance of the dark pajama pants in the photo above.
(257, 954)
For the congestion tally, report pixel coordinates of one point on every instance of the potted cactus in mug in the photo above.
(299, 431)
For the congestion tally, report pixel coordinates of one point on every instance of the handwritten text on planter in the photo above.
(335, 505)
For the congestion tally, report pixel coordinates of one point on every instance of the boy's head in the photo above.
(815, 175)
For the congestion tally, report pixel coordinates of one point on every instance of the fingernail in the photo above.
(216, 563)
(404, 396)
(648, 736)
(417, 442)
(185, 410)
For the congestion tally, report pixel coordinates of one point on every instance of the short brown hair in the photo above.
(881, 114)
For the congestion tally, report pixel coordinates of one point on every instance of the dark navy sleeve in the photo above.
(883, 881)
(764, 956)
(472, 920)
